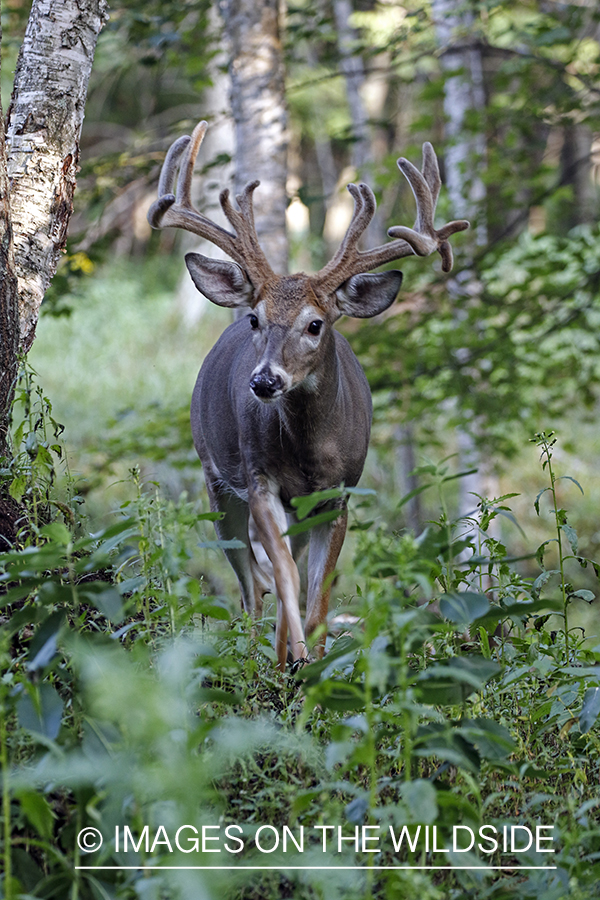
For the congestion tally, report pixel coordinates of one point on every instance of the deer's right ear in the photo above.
(224, 283)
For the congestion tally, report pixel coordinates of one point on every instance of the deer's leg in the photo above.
(270, 518)
(325, 544)
(234, 526)
(281, 631)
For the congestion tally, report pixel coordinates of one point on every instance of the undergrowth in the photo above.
(445, 747)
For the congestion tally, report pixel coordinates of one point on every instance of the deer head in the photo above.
(291, 316)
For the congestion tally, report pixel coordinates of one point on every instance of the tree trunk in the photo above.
(465, 155)
(353, 70)
(258, 105)
(362, 155)
(219, 144)
(9, 309)
(463, 91)
(352, 67)
(43, 128)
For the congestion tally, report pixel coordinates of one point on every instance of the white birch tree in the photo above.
(259, 112)
(42, 134)
(461, 60)
(39, 154)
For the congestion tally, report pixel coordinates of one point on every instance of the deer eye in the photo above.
(254, 322)
(315, 327)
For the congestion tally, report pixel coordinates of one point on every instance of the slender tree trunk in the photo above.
(43, 128)
(9, 309)
(258, 104)
(362, 155)
(463, 92)
(352, 67)
(465, 156)
(353, 70)
(219, 144)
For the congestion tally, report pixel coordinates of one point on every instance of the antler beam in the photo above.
(176, 209)
(421, 240)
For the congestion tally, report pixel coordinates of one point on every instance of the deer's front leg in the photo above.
(325, 544)
(270, 519)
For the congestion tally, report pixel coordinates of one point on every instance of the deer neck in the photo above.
(307, 409)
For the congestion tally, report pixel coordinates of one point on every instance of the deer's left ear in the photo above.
(366, 295)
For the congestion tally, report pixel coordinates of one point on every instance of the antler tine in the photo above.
(424, 238)
(364, 210)
(246, 204)
(255, 261)
(169, 168)
(186, 169)
(422, 194)
(431, 172)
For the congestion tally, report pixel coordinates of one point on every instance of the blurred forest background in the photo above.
(470, 364)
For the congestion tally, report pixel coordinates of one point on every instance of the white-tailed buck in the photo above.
(281, 407)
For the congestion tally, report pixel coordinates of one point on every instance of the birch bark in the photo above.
(43, 128)
(258, 105)
(362, 155)
(465, 155)
(9, 310)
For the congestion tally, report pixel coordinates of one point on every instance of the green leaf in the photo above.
(455, 680)
(38, 812)
(305, 505)
(341, 695)
(590, 709)
(311, 673)
(464, 608)
(206, 607)
(571, 535)
(58, 533)
(217, 695)
(539, 553)
(568, 478)
(536, 502)
(43, 645)
(587, 596)
(420, 796)
(357, 809)
(459, 475)
(318, 519)
(415, 491)
(41, 713)
(18, 486)
(543, 578)
(105, 598)
(492, 740)
(114, 536)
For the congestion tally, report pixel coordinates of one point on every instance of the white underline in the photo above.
(329, 868)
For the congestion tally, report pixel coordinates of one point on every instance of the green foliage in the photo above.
(449, 700)
(28, 475)
(525, 348)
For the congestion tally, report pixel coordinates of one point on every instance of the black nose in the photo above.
(265, 385)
